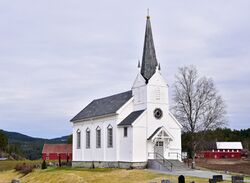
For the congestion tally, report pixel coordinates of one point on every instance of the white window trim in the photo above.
(78, 139)
(88, 139)
(110, 145)
(98, 129)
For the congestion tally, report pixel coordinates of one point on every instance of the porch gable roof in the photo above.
(158, 130)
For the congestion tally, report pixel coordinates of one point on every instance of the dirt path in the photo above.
(225, 165)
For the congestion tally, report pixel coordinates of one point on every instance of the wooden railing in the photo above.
(178, 155)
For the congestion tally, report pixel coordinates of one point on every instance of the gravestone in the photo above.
(237, 179)
(212, 181)
(218, 178)
(165, 181)
(181, 179)
(15, 181)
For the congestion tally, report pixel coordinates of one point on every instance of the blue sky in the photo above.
(56, 56)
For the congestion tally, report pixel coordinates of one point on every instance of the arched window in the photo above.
(98, 137)
(88, 138)
(78, 139)
(110, 136)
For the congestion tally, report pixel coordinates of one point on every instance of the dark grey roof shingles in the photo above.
(149, 61)
(130, 118)
(104, 106)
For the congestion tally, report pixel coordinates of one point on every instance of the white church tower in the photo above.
(131, 128)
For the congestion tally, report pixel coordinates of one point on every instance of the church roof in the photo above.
(131, 118)
(104, 106)
(149, 61)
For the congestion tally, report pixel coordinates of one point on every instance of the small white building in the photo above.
(129, 128)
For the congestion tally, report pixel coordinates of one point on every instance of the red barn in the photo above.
(53, 151)
(223, 150)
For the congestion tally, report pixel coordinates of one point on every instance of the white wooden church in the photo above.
(128, 129)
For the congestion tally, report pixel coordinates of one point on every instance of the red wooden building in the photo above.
(53, 151)
(223, 150)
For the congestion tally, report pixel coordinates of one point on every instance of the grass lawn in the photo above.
(78, 175)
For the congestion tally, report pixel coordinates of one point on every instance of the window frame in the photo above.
(110, 136)
(125, 131)
(98, 137)
(78, 139)
(88, 138)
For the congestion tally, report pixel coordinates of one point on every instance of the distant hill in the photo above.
(31, 147)
(61, 139)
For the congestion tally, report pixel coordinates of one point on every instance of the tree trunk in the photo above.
(193, 152)
(193, 161)
(60, 164)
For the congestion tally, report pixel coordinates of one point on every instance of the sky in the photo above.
(56, 56)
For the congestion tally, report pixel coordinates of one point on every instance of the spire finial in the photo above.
(148, 14)
(159, 67)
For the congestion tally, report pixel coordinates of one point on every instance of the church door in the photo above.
(159, 149)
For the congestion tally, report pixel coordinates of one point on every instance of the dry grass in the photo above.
(10, 164)
(66, 175)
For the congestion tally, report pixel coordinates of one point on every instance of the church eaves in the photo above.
(149, 61)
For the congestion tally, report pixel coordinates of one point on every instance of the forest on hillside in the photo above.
(20, 146)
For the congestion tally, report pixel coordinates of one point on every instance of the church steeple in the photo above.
(149, 61)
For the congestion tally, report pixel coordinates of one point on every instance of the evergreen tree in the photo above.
(69, 140)
(3, 141)
(44, 165)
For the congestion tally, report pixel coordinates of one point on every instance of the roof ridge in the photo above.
(112, 95)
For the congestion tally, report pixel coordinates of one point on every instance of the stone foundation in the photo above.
(109, 164)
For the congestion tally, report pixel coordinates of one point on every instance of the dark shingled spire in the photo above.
(149, 61)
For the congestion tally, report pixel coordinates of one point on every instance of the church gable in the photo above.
(104, 106)
(161, 133)
(173, 121)
(139, 81)
(157, 79)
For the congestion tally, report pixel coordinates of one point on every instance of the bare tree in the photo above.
(197, 105)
